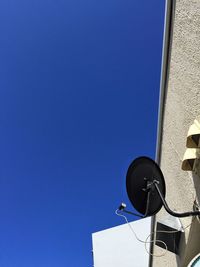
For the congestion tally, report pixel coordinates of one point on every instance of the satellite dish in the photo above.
(145, 187)
(142, 172)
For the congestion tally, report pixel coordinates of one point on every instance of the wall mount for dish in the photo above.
(145, 187)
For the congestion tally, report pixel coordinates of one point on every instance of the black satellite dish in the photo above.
(141, 173)
(145, 187)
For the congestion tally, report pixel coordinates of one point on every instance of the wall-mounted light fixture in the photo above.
(193, 136)
(189, 159)
(192, 153)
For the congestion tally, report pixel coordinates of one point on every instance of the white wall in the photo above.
(118, 247)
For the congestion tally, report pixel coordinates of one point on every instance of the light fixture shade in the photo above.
(193, 136)
(188, 163)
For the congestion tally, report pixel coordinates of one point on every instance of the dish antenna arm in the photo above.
(122, 207)
(150, 187)
(173, 213)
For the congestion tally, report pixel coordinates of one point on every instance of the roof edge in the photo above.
(165, 65)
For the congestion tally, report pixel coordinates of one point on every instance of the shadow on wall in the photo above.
(182, 248)
(193, 244)
(189, 250)
(196, 176)
(193, 247)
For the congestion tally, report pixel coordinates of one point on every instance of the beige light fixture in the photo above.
(193, 137)
(188, 163)
(192, 153)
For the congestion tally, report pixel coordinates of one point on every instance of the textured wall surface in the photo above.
(182, 105)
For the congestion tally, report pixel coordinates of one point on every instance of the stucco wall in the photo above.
(182, 105)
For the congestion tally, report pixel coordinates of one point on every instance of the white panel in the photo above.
(118, 247)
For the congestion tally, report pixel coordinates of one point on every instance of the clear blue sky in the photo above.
(79, 86)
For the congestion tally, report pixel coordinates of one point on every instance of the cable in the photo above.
(142, 241)
(152, 241)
